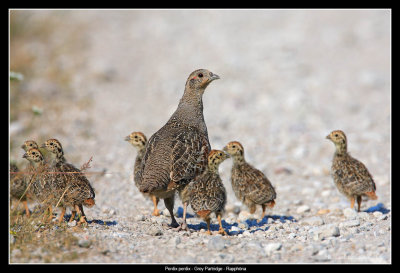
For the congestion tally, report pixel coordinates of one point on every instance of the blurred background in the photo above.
(288, 78)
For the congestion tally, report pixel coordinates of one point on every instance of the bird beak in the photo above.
(227, 155)
(214, 77)
(23, 146)
(43, 146)
(127, 138)
(328, 137)
(25, 155)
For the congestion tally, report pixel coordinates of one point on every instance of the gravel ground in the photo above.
(288, 78)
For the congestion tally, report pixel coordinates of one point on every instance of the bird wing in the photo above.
(189, 154)
(259, 188)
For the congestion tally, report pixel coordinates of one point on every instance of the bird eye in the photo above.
(200, 75)
(233, 146)
(135, 136)
(220, 154)
(336, 135)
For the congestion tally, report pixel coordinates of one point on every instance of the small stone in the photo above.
(312, 221)
(325, 231)
(243, 225)
(154, 231)
(235, 228)
(351, 223)
(139, 218)
(303, 208)
(72, 223)
(216, 243)
(292, 235)
(84, 243)
(323, 211)
(350, 213)
(383, 217)
(272, 247)
(377, 214)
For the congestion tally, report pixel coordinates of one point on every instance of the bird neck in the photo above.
(213, 167)
(190, 109)
(238, 159)
(341, 148)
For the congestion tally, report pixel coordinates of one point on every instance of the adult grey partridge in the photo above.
(249, 184)
(350, 176)
(70, 182)
(139, 140)
(207, 193)
(178, 151)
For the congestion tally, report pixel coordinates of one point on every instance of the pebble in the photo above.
(154, 231)
(303, 208)
(72, 223)
(350, 213)
(272, 247)
(84, 243)
(312, 221)
(350, 223)
(216, 243)
(325, 231)
(377, 214)
(140, 218)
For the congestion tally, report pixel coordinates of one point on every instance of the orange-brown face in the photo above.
(137, 139)
(29, 144)
(33, 155)
(337, 137)
(53, 146)
(201, 78)
(217, 156)
(234, 148)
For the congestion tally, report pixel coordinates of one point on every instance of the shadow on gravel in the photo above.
(101, 222)
(249, 223)
(379, 207)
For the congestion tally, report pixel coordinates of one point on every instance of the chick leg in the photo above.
(26, 208)
(208, 226)
(263, 206)
(359, 202)
(61, 217)
(221, 229)
(352, 202)
(183, 226)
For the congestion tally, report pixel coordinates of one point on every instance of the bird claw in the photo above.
(182, 226)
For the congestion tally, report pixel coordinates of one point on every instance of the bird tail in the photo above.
(203, 213)
(371, 195)
(89, 202)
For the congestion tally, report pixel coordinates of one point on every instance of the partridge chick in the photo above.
(250, 185)
(139, 140)
(39, 179)
(70, 181)
(178, 152)
(207, 193)
(18, 187)
(350, 176)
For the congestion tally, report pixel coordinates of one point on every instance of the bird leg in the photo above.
(48, 215)
(221, 229)
(352, 202)
(263, 213)
(156, 212)
(72, 216)
(61, 217)
(208, 226)
(81, 214)
(26, 208)
(183, 226)
(253, 209)
(359, 202)
(169, 204)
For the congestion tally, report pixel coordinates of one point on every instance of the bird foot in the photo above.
(183, 226)
(222, 232)
(156, 212)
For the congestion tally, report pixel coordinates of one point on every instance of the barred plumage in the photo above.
(207, 193)
(178, 151)
(350, 176)
(139, 140)
(250, 185)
